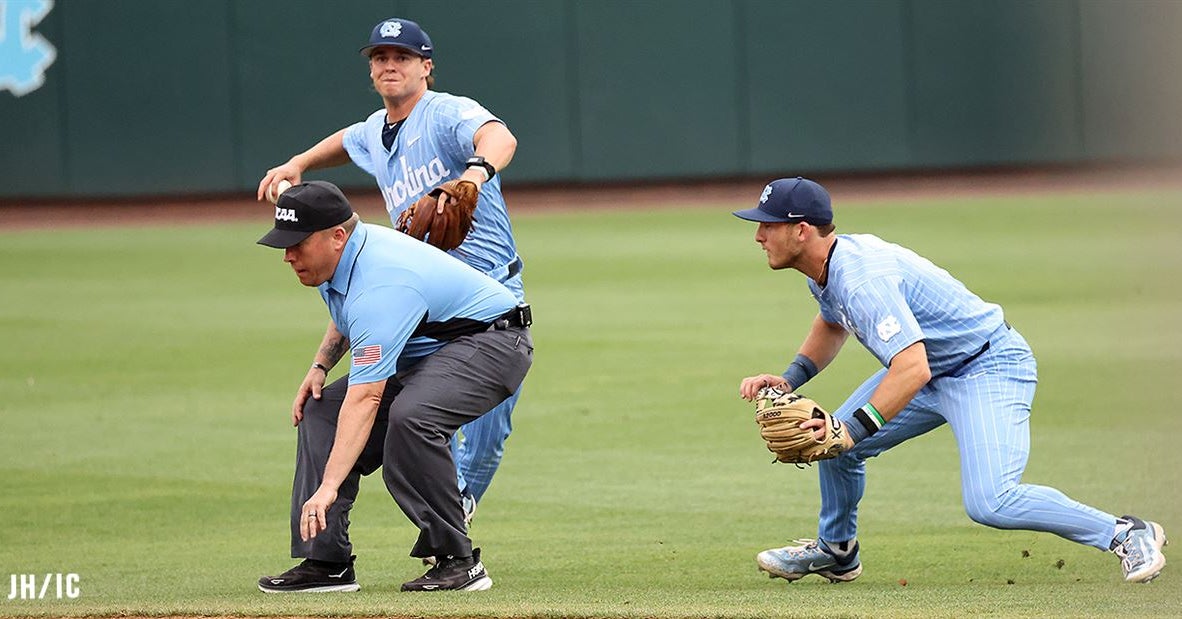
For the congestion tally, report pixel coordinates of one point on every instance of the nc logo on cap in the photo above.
(286, 214)
(391, 29)
(767, 193)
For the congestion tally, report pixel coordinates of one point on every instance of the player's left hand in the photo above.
(314, 513)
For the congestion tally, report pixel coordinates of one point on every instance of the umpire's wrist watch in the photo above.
(476, 161)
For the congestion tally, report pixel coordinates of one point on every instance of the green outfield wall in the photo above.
(147, 97)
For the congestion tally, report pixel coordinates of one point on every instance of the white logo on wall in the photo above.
(42, 586)
(767, 193)
(391, 30)
(24, 55)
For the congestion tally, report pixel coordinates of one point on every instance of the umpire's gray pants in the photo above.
(420, 410)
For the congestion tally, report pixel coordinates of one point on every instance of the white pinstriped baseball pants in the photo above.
(987, 404)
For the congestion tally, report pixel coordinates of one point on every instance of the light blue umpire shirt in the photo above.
(388, 286)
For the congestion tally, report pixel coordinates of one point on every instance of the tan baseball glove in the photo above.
(444, 230)
(779, 415)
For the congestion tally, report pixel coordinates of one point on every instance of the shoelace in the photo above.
(803, 545)
(1131, 553)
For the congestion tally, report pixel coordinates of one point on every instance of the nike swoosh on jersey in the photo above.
(412, 141)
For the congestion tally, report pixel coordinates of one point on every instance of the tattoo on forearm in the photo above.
(334, 350)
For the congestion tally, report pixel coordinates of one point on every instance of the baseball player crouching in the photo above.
(948, 357)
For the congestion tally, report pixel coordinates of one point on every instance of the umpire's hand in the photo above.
(312, 386)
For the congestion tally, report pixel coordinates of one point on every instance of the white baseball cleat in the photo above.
(1140, 553)
(810, 556)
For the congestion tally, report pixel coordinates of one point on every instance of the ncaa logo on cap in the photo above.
(286, 214)
(391, 29)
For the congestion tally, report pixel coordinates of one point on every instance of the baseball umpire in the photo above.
(948, 357)
(435, 344)
(419, 139)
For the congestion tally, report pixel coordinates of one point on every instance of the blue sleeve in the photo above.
(381, 321)
(358, 147)
(880, 312)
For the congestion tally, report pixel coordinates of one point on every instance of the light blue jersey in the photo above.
(889, 298)
(432, 146)
(389, 288)
(983, 382)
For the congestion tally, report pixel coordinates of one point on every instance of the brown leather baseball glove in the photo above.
(779, 415)
(444, 230)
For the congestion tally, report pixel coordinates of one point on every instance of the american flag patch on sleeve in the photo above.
(367, 355)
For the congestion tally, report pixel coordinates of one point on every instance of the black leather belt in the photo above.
(520, 316)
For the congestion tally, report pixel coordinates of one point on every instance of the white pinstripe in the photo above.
(987, 403)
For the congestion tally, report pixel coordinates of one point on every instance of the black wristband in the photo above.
(869, 418)
(476, 161)
(320, 366)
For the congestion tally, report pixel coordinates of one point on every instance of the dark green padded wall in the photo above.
(148, 96)
(174, 96)
(825, 85)
(658, 89)
(993, 82)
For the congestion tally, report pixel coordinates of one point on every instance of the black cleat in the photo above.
(453, 574)
(313, 576)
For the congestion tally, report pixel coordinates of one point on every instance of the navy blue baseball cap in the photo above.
(791, 200)
(304, 209)
(398, 32)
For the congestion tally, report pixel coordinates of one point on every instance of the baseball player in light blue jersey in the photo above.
(948, 357)
(435, 344)
(417, 140)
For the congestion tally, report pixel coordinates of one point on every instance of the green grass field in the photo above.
(145, 441)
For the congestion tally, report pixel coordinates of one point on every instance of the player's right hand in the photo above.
(288, 171)
(751, 385)
(312, 386)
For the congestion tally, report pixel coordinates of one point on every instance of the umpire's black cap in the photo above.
(402, 33)
(304, 209)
